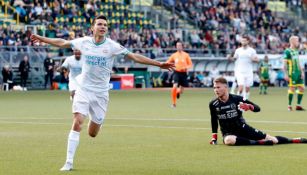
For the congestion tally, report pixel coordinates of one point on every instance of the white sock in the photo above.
(72, 144)
(233, 87)
(244, 93)
(247, 95)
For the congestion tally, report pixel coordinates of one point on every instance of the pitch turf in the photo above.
(142, 135)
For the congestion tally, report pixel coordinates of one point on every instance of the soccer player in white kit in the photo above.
(244, 57)
(92, 95)
(74, 65)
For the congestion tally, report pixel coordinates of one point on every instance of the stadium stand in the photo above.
(219, 23)
(216, 27)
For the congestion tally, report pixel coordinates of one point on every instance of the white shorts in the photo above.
(92, 104)
(246, 80)
(72, 85)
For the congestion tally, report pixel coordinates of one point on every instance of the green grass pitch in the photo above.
(142, 135)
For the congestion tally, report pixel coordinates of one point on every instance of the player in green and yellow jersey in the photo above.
(264, 75)
(294, 73)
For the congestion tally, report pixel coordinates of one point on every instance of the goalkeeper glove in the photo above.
(214, 139)
(245, 107)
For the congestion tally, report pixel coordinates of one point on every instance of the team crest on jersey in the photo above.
(233, 106)
(217, 109)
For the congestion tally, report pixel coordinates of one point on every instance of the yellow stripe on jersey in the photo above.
(290, 67)
(290, 82)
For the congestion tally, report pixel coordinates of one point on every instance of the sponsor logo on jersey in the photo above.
(225, 107)
(96, 61)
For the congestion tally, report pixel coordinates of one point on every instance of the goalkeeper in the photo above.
(227, 110)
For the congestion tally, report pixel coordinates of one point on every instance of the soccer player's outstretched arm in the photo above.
(144, 60)
(58, 42)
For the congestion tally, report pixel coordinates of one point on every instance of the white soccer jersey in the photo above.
(98, 62)
(244, 64)
(75, 68)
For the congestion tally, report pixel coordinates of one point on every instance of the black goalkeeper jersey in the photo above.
(228, 115)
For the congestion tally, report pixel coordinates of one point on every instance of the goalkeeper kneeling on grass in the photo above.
(227, 110)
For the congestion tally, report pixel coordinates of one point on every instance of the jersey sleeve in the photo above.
(118, 49)
(77, 43)
(253, 53)
(214, 119)
(66, 63)
(256, 107)
(236, 55)
(171, 59)
(287, 55)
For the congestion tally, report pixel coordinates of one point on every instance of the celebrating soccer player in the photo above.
(92, 96)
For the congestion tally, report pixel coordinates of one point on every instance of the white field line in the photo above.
(139, 126)
(159, 119)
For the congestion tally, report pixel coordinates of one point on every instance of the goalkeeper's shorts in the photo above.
(247, 132)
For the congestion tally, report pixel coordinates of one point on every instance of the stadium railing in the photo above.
(12, 55)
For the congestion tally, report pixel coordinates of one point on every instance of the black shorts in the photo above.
(247, 132)
(181, 78)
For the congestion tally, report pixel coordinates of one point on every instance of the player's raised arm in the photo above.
(58, 42)
(144, 60)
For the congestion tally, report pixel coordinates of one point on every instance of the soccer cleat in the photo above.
(299, 108)
(265, 93)
(289, 108)
(67, 167)
(178, 95)
(299, 140)
(173, 106)
(303, 140)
